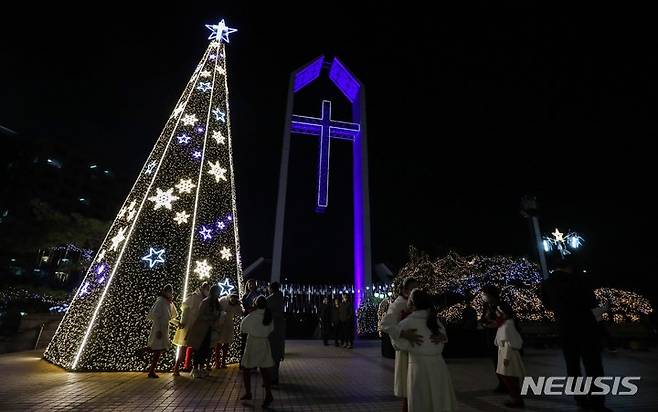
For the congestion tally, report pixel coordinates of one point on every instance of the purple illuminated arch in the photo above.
(328, 129)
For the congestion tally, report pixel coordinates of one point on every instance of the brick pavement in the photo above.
(314, 378)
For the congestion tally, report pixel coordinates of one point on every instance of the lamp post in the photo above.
(529, 210)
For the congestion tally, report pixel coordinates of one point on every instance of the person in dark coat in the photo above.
(325, 320)
(346, 317)
(571, 299)
(278, 336)
(335, 322)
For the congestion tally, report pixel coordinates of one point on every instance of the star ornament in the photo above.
(219, 115)
(226, 287)
(202, 269)
(559, 237)
(150, 167)
(226, 253)
(217, 171)
(219, 137)
(206, 233)
(118, 238)
(154, 257)
(185, 186)
(101, 256)
(220, 31)
(189, 119)
(163, 198)
(183, 139)
(181, 217)
(204, 86)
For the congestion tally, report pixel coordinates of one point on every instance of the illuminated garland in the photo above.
(178, 225)
(465, 275)
(518, 279)
(624, 306)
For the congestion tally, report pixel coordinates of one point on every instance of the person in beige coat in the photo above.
(190, 311)
(204, 330)
(161, 314)
(257, 353)
(231, 309)
(510, 365)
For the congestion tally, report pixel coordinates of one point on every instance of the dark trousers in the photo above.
(513, 387)
(387, 347)
(243, 344)
(585, 347)
(201, 355)
(338, 332)
(348, 332)
(326, 331)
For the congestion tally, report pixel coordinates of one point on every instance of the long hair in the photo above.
(423, 301)
(213, 297)
(261, 303)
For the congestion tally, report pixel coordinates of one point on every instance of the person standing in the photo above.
(387, 347)
(346, 317)
(568, 295)
(335, 322)
(491, 297)
(258, 326)
(325, 320)
(162, 312)
(390, 325)
(248, 300)
(205, 328)
(510, 367)
(278, 336)
(230, 306)
(429, 387)
(190, 311)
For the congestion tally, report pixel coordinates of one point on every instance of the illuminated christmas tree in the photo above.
(178, 225)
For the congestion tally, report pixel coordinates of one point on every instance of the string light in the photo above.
(107, 319)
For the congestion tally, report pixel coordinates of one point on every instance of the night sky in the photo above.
(466, 113)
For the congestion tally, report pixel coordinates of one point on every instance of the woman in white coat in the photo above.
(257, 353)
(429, 387)
(162, 312)
(510, 367)
(390, 324)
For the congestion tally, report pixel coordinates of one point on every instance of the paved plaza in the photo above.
(314, 378)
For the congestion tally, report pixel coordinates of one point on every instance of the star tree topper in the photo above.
(220, 31)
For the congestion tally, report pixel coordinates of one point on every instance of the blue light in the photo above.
(154, 257)
(308, 73)
(205, 232)
(219, 115)
(344, 80)
(226, 287)
(547, 246)
(327, 129)
(183, 139)
(220, 31)
(204, 86)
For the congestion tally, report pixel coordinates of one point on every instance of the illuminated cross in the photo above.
(327, 129)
